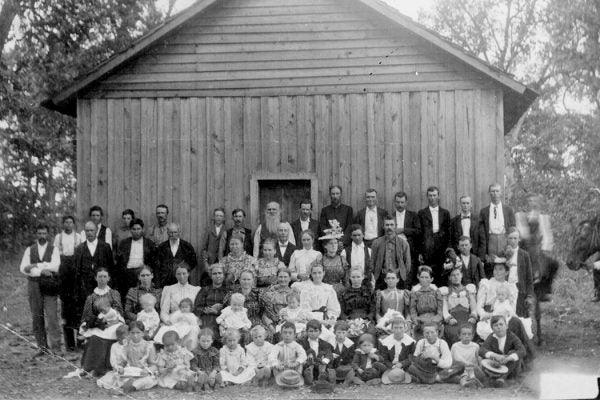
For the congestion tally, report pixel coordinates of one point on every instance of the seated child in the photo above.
(173, 363)
(137, 372)
(367, 363)
(502, 306)
(432, 358)
(318, 353)
(185, 323)
(206, 363)
(425, 302)
(511, 354)
(287, 354)
(118, 359)
(234, 366)
(148, 316)
(234, 316)
(357, 303)
(340, 367)
(389, 303)
(293, 313)
(465, 353)
(107, 314)
(397, 347)
(257, 353)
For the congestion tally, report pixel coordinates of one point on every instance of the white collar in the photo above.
(390, 342)
(496, 205)
(401, 212)
(374, 209)
(42, 246)
(93, 242)
(347, 342)
(101, 292)
(284, 244)
(437, 208)
(141, 239)
(358, 246)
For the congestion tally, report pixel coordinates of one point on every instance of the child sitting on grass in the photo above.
(432, 359)
(287, 354)
(318, 353)
(397, 348)
(340, 367)
(257, 353)
(367, 363)
(148, 315)
(425, 302)
(206, 363)
(465, 353)
(173, 364)
(234, 366)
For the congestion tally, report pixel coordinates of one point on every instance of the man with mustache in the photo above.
(336, 211)
(158, 233)
(391, 253)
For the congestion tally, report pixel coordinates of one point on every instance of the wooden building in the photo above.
(235, 102)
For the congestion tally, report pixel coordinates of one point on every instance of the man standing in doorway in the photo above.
(158, 233)
(41, 261)
(269, 228)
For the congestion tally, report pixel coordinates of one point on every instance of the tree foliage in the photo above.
(52, 44)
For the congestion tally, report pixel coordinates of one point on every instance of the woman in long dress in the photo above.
(319, 297)
(335, 266)
(459, 306)
(132, 300)
(210, 299)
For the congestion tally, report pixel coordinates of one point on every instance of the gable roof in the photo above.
(517, 96)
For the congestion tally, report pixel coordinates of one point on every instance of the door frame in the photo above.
(256, 178)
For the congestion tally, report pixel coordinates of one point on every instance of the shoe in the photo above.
(332, 377)
(356, 380)
(446, 374)
(128, 386)
(374, 382)
(498, 383)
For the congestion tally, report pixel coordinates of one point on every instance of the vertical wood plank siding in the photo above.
(195, 154)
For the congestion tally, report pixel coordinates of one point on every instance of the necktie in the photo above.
(495, 212)
(468, 217)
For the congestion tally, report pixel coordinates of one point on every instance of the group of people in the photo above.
(366, 298)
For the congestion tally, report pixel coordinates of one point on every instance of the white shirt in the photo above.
(172, 295)
(435, 218)
(314, 345)
(256, 249)
(497, 223)
(107, 235)
(465, 260)
(174, 247)
(357, 256)
(465, 223)
(304, 225)
(92, 246)
(69, 242)
(301, 260)
(513, 276)
(283, 247)
(218, 229)
(136, 255)
(370, 223)
(400, 221)
(37, 270)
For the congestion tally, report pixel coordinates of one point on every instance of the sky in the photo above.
(408, 7)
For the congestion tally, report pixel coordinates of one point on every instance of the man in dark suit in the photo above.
(170, 254)
(408, 227)
(524, 273)
(338, 211)
(465, 224)
(305, 223)
(210, 249)
(472, 270)
(371, 218)
(284, 248)
(391, 253)
(89, 256)
(494, 221)
(133, 253)
(238, 216)
(435, 225)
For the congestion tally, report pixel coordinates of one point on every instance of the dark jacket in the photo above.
(525, 283)
(412, 231)
(248, 242)
(403, 258)
(484, 226)
(456, 232)
(285, 258)
(165, 273)
(360, 359)
(313, 225)
(210, 244)
(345, 356)
(325, 350)
(368, 262)
(127, 278)
(512, 345)
(388, 351)
(474, 272)
(86, 267)
(344, 215)
(433, 247)
(361, 218)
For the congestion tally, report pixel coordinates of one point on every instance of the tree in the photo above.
(53, 44)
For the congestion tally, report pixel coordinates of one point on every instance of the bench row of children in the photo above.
(206, 368)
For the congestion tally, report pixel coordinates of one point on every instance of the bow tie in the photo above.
(465, 217)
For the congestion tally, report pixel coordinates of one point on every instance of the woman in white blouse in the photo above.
(173, 294)
(317, 296)
(302, 259)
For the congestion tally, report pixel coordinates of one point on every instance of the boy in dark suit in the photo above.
(505, 348)
(318, 353)
(305, 222)
(473, 271)
(340, 367)
(465, 224)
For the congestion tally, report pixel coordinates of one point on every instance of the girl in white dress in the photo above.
(234, 365)
(185, 323)
(234, 316)
(148, 316)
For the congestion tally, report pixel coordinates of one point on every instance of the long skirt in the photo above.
(96, 355)
(452, 332)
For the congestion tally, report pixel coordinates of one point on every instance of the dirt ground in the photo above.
(570, 325)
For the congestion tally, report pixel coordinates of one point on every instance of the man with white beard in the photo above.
(271, 222)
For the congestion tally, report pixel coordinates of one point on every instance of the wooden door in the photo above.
(288, 193)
